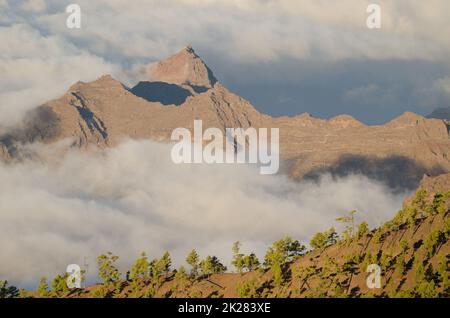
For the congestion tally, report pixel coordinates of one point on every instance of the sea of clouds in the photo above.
(66, 207)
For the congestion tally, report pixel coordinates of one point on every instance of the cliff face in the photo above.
(436, 184)
(182, 88)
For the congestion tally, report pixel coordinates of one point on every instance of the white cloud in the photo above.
(133, 198)
(36, 68)
(34, 5)
(443, 85)
(265, 30)
(365, 93)
(253, 30)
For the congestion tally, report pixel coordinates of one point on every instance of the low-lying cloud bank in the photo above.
(133, 198)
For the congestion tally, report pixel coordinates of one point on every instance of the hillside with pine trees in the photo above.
(412, 251)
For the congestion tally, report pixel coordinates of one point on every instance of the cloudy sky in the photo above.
(285, 56)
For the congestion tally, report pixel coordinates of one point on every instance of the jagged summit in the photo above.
(183, 68)
(189, 49)
(345, 121)
(182, 89)
(407, 118)
(104, 81)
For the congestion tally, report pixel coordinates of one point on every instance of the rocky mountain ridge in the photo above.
(180, 89)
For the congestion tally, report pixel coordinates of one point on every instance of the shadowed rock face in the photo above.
(103, 112)
(164, 93)
(40, 124)
(440, 113)
(398, 172)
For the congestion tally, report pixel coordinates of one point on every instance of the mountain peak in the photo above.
(188, 48)
(183, 68)
(105, 81)
(407, 119)
(345, 121)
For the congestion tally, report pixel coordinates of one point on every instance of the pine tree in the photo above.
(294, 248)
(447, 228)
(251, 262)
(164, 263)
(181, 273)
(283, 251)
(23, 293)
(432, 241)
(140, 269)
(363, 229)
(279, 254)
(443, 273)
(419, 274)
(277, 271)
(349, 222)
(427, 289)
(8, 291)
(99, 292)
(181, 278)
(212, 265)
(332, 237)
(439, 202)
(323, 239)
(193, 260)
(377, 235)
(150, 292)
(419, 199)
(159, 267)
(238, 258)
(276, 254)
(411, 214)
(43, 287)
(248, 289)
(400, 263)
(384, 261)
(404, 245)
(366, 261)
(59, 285)
(106, 269)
